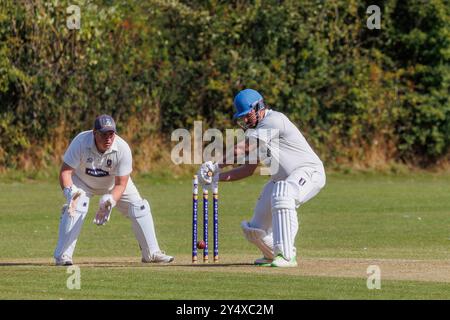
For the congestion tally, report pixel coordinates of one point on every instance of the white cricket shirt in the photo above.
(288, 148)
(98, 170)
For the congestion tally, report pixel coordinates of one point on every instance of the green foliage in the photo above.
(362, 97)
(420, 46)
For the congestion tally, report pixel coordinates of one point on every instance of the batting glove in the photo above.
(208, 172)
(106, 204)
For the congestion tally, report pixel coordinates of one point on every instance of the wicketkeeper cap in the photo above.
(104, 123)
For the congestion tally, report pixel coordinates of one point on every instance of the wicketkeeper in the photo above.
(296, 175)
(99, 162)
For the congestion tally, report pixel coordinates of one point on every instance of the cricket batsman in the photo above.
(99, 162)
(296, 175)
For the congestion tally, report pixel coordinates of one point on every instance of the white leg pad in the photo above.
(260, 238)
(143, 227)
(70, 228)
(284, 220)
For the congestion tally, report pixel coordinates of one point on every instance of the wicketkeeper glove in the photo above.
(72, 195)
(106, 204)
(70, 192)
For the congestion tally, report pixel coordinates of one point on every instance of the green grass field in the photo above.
(400, 223)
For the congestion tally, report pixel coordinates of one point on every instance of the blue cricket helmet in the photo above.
(244, 102)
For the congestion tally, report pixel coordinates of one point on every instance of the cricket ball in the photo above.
(201, 244)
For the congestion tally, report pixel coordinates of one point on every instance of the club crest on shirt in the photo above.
(89, 160)
(109, 163)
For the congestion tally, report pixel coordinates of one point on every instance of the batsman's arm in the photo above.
(120, 183)
(65, 176)
(238, 173)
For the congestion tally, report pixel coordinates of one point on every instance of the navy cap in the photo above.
(104, 123)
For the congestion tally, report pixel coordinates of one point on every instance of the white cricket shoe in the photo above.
(159, 257)
(281, 262)
(263, 262)
(63, 261)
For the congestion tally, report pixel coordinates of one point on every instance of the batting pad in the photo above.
(260, 238)
(284, 221)
(70, 228)
(143, 227)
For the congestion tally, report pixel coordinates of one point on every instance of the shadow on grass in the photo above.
(124, 264)
(208, 265)
(22, 264)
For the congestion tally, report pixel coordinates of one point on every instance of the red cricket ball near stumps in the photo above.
(201, 244)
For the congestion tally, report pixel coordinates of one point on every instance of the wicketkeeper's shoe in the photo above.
(63, 261)
(159, 257)
(281, 262)
(263, 262)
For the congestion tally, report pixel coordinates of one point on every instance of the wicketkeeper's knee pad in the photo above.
(70, 227)
(284, 220)
(260, 238)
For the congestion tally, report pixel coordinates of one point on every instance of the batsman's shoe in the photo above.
(281, 262)
(159, 257)
(63, 261)
(263, 262)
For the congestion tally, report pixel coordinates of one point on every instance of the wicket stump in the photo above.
(195, 189)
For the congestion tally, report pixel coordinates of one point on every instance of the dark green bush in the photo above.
(362, 97)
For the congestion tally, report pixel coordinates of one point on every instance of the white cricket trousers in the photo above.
(304, 184)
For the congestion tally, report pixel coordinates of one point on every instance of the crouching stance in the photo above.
(99, 162)
(296, 175)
